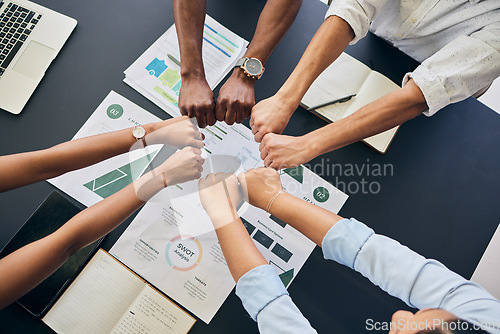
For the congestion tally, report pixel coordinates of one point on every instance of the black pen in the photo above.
(342, 99)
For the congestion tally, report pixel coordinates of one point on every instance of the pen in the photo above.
(172, 58)
(342, 99)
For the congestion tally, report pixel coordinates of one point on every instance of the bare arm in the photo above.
(220, 195)
(395, 108)
(262, 184)
(196, 99)
(25, 268)
(272, 115)
(383, 114)
(237, 96)
(25, 168)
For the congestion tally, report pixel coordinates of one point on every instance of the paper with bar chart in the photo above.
(157, 76)
(91, 184)
(172, 244)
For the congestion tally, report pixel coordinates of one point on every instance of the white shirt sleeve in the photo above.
(358, 14)
(404, 274)
(460, 69)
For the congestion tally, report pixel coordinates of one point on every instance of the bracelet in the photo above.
(272, 201)
(164, 180)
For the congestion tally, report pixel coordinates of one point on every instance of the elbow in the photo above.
(414, 99)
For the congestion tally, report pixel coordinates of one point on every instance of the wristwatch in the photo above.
(139, 134)
(252, 67)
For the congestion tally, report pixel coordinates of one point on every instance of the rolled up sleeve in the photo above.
(358, 14)
(266, 300)
(419, 282)
(460, 69)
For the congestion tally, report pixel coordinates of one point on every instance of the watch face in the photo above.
(139, 132)
(253, 66)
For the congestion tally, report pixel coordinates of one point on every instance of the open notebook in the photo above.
(347, 76)
(109, 298)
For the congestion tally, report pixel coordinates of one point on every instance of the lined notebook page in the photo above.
(97, 299)
(343, 77)
(152, 313)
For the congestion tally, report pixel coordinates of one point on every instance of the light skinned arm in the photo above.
(25, 268)
(220, 195)
(393, 109)
(237, 97)
(258, 286)
(25, 168)
(260, 185)
(401, 272)
(196, 99)
(272, 115)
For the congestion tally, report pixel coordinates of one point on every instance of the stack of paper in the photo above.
(157, 76)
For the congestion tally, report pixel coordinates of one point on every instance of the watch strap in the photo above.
(240, 62)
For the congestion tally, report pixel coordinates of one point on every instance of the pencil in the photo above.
(172, 58)
(342, 99)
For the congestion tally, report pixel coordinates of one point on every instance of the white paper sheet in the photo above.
(157, 77)
(91, 184)
(172, 244)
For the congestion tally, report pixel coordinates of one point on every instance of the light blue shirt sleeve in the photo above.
(266, 300)
(404, 274)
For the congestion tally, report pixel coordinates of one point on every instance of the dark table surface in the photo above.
(438, 192)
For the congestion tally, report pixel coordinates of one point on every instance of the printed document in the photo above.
(172, 244)
(91, 184)
(157, 76)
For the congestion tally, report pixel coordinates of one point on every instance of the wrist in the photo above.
(311, 144)
(221, 218)
(291, 93)
(148, 185)
(278, 201)
(193, 74)
(288, 100)
(239, 74)
(151, 127)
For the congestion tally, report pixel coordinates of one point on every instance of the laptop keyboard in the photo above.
(16, 24)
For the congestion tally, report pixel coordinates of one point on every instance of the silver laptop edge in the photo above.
(41, 46)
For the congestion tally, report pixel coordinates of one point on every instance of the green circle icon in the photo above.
(115, 111)
(321, 194)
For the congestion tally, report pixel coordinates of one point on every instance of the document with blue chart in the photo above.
(172, 243)
(156, 73)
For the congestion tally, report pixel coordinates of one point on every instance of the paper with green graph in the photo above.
(92, 184)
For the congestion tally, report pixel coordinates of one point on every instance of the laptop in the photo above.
(30, 38)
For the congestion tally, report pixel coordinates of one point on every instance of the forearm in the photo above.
(239, 250)
(309, 219)
(189, 21)
(24, 269)
(25, 168)
(274, 21)
(328, 43)
(383, 114)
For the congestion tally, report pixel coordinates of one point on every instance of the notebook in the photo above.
(344, 77)
(107, 297)
(31, 36)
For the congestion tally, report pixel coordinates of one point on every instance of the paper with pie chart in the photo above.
(157, 76)
(172, 244)
(91, 184)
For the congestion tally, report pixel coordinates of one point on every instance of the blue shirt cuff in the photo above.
(344, 240)
(259, 287)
